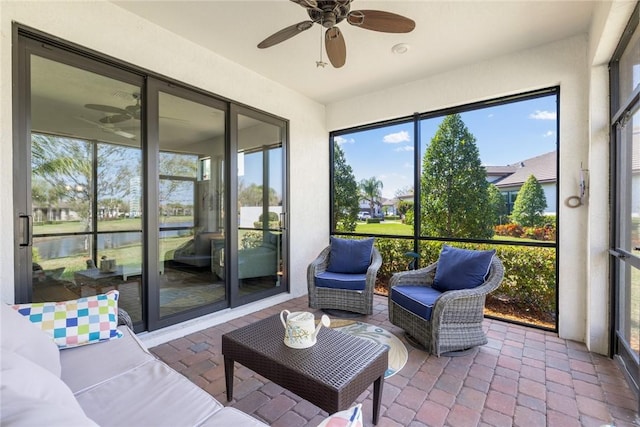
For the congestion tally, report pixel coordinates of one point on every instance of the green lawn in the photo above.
(385, 227)
(119, 224)
(400, 229)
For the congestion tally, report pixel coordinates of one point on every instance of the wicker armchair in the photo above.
(342, 299)
(456, 317)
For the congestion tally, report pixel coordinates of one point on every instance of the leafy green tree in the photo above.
(404, 207)
(455, 198)
(528, 210)
(66, 165)
(252, 195)
(371, 192)
(498, 208)
(345, 193)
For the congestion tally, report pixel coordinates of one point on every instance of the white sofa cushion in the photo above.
(152, 394)
(22, 377)
(23, 411)
(89, 365)
(19, 335)
(229, 416)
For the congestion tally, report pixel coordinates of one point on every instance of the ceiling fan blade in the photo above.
(116, 118)
(378, 20)
(285, 33)
(307, 3)
(133, 111)
(336, 48)
(106, 108)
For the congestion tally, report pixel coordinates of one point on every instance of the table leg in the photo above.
(377, 398)
(228, 377)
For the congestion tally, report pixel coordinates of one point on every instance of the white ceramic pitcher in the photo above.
(300, 330)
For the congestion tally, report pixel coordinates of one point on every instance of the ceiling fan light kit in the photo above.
(329, 13)
(400, 48)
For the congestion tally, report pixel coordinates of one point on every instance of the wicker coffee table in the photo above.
(331, 374)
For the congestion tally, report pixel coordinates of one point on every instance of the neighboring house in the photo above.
(509, 179)
(389, 206)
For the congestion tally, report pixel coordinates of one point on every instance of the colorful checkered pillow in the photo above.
(76, 322)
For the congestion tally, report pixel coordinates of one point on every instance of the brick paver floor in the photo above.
(522, 377)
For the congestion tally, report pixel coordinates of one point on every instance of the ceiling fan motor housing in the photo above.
(330, 12)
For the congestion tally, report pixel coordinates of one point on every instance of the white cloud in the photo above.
(396, 138)
(543, 115)
(405, 148)
(548, 133)
(341, 140)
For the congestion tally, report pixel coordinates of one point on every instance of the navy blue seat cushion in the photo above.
(350, 256)
(328, 279)
(417, 299)
(461, 268)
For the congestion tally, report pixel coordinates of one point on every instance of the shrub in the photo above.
(529, 279)
(374, 220)
(273, 216)
(510, 230)
(547, 233)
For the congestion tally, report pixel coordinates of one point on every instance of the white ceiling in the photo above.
(448, 35)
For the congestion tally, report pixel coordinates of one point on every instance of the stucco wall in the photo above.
(563, 63)
(110, 30)
(575, 64)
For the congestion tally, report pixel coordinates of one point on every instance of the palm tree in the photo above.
(371, 192)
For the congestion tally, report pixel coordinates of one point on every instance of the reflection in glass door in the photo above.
(260, 260)
(85, 185)
(190, 204)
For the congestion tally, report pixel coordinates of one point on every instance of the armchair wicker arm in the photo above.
(124, 318)
(372, 271)
(465, 306)
(420, 277)
(317, 266)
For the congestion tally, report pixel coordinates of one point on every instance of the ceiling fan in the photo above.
(118, 114)
(109, 127)
(328, 13)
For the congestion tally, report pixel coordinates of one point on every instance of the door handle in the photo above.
(26, 229)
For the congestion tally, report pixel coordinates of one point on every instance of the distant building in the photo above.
(509, 179)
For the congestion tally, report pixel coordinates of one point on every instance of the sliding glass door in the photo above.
(81, 231)
(625, 179)
(188, 139)
(125, 180)
(260, 187)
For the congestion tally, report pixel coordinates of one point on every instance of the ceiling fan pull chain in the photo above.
(321, 63)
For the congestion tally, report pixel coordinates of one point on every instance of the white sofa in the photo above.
(110, 383)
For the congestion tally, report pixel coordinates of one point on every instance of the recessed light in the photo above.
(400, 48)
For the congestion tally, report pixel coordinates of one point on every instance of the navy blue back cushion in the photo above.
(350, 256)
(461, 268)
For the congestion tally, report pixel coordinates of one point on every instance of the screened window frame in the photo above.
(416, 119)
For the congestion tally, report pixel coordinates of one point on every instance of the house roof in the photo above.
(499, 170)
(543, 167)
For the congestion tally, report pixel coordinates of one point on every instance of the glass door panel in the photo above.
(628, 265)
(190, 209)
(260, 200)
(85, 177)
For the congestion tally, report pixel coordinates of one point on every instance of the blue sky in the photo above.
(505, 134)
